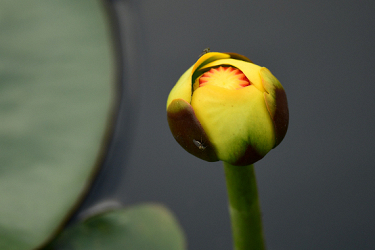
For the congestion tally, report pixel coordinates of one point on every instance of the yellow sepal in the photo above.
(182, 89)
(234, 119)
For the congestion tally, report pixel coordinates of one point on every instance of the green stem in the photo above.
(244, 207)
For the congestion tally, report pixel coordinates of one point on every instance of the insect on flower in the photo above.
(205, 51)
(199, 144)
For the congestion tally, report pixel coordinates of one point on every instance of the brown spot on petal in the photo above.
(249, 157)
(277, 104)
(188, 132)
(238, 57)
(281, 116)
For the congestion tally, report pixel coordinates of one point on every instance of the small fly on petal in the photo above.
(205, 51)
(199, 144)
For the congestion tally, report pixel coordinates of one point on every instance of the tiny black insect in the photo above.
(205, 51)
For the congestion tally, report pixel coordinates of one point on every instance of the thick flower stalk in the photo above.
(226, 108)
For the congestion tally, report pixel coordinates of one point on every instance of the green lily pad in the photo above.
(56, 96)
(150, 227)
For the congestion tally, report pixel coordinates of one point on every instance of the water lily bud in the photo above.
(226, 108)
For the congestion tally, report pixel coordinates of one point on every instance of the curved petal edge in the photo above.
(277, 104)
(188, 132)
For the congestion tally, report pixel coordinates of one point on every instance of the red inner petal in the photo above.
(226, 76)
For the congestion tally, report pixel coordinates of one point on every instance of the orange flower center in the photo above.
(225, 77)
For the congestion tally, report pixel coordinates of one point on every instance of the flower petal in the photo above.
(208, 58)
(188, 131)
(182, 89)
(236, 122)
(238, 57)
(277, 104)
(250, 70)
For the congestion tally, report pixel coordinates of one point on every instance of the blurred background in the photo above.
(317, 187)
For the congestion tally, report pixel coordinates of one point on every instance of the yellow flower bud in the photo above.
(227, 108)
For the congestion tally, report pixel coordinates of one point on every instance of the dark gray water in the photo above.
(317, 187)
